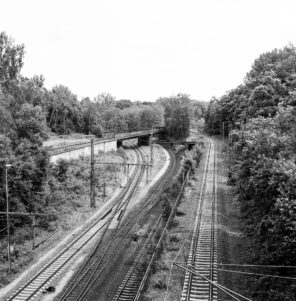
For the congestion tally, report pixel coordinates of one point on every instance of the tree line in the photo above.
(260, 117)
(30, 113)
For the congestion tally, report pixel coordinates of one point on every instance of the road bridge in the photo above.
(109, 142)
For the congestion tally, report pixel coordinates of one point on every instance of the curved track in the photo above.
(103, 258)
(130, 286)
(96, 261)
(53, 267)
(202, 255)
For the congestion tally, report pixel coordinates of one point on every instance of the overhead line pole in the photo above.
(147, 169)
(7, 218)
(151, 147)
(92, 172)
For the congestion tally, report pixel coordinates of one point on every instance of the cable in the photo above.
(219, 286)
(256, 274)
(169, 278)
(259, 266)
(4, 229)
(233, 292)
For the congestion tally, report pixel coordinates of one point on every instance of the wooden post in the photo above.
(92, 175)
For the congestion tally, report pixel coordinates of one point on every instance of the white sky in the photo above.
(145, 49)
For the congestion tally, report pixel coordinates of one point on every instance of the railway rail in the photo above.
(52, 268)
(203, 250)
(92, 267)
(131, 287)
(102, 260)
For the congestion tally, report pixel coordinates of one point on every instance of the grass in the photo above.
(233, 247)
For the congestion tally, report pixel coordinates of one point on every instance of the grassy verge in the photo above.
(233, 247)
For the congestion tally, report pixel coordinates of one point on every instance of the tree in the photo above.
(30, 124)
(177, 115)
(64, 111)
(11, 58)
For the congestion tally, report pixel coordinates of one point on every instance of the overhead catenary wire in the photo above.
(226, 290)
(258, 265)
(232, 293)
(257, 274)
(247, 265)
(169, 278)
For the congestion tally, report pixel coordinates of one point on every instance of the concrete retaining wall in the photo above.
(105, 146)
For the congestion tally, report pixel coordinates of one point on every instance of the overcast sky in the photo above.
(145, 49)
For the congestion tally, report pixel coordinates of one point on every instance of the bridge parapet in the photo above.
(107, 137)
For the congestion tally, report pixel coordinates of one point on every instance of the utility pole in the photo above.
(223, 130)
(34, 226)
(115, 173)
(230, 134)
(151, 147)
(147, 167)
(104, 190)
(92, 175)
(128, 171)
(7, 218)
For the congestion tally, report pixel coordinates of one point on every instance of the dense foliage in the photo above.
(272, 80)
(180, 114)
(263, 164)
(23, 129)
(29, 113)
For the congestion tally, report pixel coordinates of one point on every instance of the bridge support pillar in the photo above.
(119, 143)
(144, 140)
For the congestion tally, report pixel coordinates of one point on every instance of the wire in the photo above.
(219, 286)
(256, 274)
(171, 268)
(233, 292)
(3, 229)
(259, 266)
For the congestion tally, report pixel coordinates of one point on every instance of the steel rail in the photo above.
(202, 253)
(121, 244)
(128, 281)
(131, 222)
(152, 258)
(191, 259)
(63, 256)
(90, 265)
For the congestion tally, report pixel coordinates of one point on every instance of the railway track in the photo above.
(203, 250)
(130, 288)
(52, 268)
(80, 289)
(96, 261)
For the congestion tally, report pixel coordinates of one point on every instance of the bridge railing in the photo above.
(106, 136)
